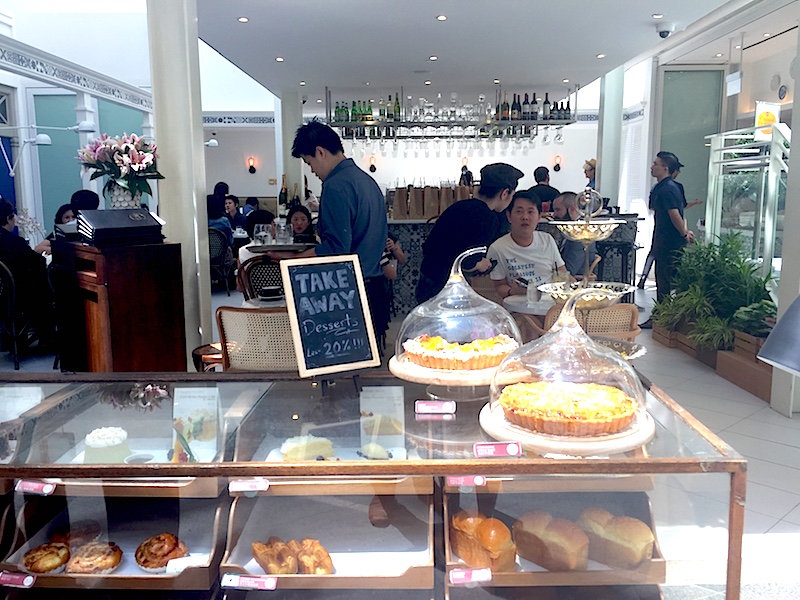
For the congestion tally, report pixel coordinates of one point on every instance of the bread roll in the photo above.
(555, 544)
(482, 542)
(622, 542)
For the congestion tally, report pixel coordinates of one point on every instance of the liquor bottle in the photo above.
(516, 109)
(505, 109)
(381, 110)
(534, 109)
(337, 113)
(497, 108)
(295, 198)
(283, 197)
(345, 113)
(526, 109)
(569, 112)
(546, 107)
(397, 107)
(561, 110)
(389, 110)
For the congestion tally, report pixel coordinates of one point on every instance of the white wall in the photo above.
(228, 161)
(757, 77)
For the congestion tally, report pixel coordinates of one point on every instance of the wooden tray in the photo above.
(508, 507)
(409, 371)
(199, 523)
(399, 556)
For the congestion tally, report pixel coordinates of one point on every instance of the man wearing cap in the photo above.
(466, 224)
(543, 189)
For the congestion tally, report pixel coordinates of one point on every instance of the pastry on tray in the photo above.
(381, 425)
(77, 533)
(434, 352)
(306, 558)
(99, 558)
(482, 542)
(565, 408)
(47, 559)
(555, 544)
(106, 445)
(312, 558)
(373, 451)
(623, 542)
(155, 552)
(306, 447)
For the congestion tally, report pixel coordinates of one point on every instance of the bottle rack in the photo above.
(470, 129)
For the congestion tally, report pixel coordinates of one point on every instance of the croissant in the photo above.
(275, 557)
(312, 558)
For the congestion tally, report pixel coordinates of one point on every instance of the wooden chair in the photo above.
(484, 285)
(618, 321)
(219, 256)
(256, 273)
(256, 339)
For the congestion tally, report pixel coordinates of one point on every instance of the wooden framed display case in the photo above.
(385, 522)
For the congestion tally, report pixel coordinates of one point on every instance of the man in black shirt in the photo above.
(466, 224)
(543, 190)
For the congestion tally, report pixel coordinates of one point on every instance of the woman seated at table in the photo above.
(302, 230)
(237, 219)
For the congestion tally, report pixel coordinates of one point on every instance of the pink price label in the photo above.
(435, 417)
(459, 480)
(497, 449)
(249, 582)
(35, 487)
(435, 407)
(467, 576)
(17, 580)
(249, 485)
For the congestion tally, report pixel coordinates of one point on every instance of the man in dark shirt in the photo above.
(543, 190)
(466, 224)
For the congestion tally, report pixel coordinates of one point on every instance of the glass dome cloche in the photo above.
(566, 385)
(456, 330)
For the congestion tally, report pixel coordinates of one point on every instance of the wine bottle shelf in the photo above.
(468, 128)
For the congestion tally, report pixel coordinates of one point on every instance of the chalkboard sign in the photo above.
(329, 314)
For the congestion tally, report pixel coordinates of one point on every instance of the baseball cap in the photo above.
(500, 175)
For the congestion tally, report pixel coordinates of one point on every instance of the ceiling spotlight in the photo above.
(427, 82)
(243, 19)
(302, 83)
(319, 100)
(211, 143)
(658, 16)
(278, 59)
(738, 47)
(433, 58)
(601, 56)
(565, 81)
(496, 81)
(767, 34)
(718, 55)
(441, 18)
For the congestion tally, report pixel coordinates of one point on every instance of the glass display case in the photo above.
(206, 480)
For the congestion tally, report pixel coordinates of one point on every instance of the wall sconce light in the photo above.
(41, 139)
(557, 163)
(464, 161)
(211, 143)
(372, 167)
(252, 162)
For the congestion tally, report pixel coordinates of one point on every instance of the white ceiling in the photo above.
(527, 44)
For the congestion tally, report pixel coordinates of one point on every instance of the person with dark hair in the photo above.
(250, 205)
(565, 208)
(232, 212)
(65, 214)
(299, 218)
(216, 215)
(84, 200)
(525, 256)
(466, 224)
(543, 189)
(257, 217)
(466, 177)
(311, 202)
(352, 218)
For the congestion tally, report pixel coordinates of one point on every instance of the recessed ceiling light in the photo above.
(767, 34)
(738, 47)
(427, 82)
(433, 58)
(496, 81)
(601, 56)
(565, 81)
(441, 18)
(366, 83)
(319, 100)
(243, 19)
(278, 59)
(718, 55)
(302, 83)
(658, 16)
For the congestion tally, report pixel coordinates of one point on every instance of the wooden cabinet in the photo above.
(120, 308)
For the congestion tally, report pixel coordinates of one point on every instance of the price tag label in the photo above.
(249, 582)
(435, 417)
(35, 487)
(497, 449)
(462, 480)
(17, 580)
(434, 407)
(470, 576)
(257, 484)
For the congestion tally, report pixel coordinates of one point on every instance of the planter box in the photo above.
(748, 346)
(706, 356)
(755, 377)
(665, 336)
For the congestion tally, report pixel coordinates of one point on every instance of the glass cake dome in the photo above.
(458, 315)
(565, 384)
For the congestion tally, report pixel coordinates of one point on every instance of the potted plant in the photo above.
(752, 324)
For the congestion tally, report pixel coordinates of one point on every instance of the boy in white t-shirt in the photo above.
(524, 253)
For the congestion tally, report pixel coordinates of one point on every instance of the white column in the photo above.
(609, 134)
(149, 132)
(85, 111)
(785, 396)
(291, 117)
(175, 69)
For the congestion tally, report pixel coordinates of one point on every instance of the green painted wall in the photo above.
(116, 120)
(59, 168)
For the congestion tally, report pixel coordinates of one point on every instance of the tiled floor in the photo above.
(769, 441)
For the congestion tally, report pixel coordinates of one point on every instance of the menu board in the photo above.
(329, 314)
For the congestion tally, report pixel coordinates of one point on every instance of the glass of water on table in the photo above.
(262, 234)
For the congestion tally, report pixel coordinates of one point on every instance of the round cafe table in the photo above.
(520, 304)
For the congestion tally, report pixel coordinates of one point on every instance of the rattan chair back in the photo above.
(256, 339)
(258, 272)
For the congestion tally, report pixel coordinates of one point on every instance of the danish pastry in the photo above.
(46, 559)
(95, 557)
(77, 534)
(312, 558)
(275, 557)
(155, 552)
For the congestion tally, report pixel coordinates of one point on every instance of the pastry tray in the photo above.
(406, 370)
(399, 556)
(200, 524)
(508, 507)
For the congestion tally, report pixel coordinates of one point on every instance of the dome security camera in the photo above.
(665, 29)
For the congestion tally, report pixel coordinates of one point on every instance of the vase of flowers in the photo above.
(128, 162)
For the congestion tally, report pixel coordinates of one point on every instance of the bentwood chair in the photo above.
(256, 273)
(220, 257)
(619, 321)
(14, 326)
(256, 339)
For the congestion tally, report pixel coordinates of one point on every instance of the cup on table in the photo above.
(283, 234)
(262, 234)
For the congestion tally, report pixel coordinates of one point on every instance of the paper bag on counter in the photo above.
(415, 204)
(462, 192)
(400, 204)
(431, 201)
(446, 198)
